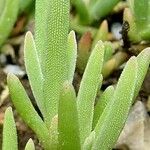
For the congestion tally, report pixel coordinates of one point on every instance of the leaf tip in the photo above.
(146, 51)
(132, 60)
(8, 110)
(72, 33)
(10, 76)
(66, 86)
(28, 35)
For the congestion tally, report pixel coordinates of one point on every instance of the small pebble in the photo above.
(115, 29)
(14, 69)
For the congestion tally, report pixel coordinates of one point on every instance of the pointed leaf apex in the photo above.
(8, 110)
(11, 77)
(72, 33)
(30, 145)
(67, 87)
(146, 51)
(133, 62)
(28, 37)
(100, 46)
(72, 37)
(104, 25)
(30, 141)
(28, 34)
(111, 87)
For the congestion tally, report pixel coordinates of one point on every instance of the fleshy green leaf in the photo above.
(133, 34)
(143, 60)
(108, 51)
(131, 5)
(102, 8)
(91, 80)
(102, 103)
(114, 115)
(8, 18)
(92, 2)
(72, 55)
(26, 110)
(89, 141)
(69, 136)
(82, 10)
(40, 27)
(54, 133)
(141, 13)
(9, 131)
(145, 34)
(2, 3)
(148, 16)
(117, 60)
(102, 33)
(54, 58)
(34, 70)
(30, 145)
(24, 4)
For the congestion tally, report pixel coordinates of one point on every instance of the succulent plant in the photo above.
(8, 16)
(137, 16)
(70, 120)
(90, 10)
(9, 12)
